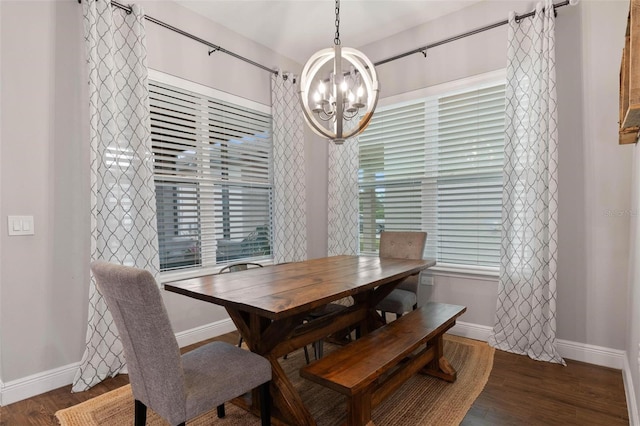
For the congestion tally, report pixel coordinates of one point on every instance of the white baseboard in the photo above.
(598, 355)
(27, 387)
(471, 331)
(204, 332)
(591, 354)
(629, 391)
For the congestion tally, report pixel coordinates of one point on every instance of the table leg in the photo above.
(440, 366)
(286, 399)
(262, 336)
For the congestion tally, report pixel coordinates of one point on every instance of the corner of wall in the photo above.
(629, 391)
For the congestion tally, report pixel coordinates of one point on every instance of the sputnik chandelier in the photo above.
(346, 89)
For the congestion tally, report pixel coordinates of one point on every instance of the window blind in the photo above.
(212, 168)
(435, 164)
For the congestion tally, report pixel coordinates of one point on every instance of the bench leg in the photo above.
(359, 409)
(440, 367)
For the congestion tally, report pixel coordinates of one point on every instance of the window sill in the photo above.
(468, 272)
(170, 276)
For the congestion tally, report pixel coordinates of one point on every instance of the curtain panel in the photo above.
(526, 309)
(342, 200)
(289, 186)
(123, 205)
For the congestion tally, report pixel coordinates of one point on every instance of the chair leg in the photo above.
(318, 349)
(240, 342)
(265, 404)
(384, 317)
(140, 413)
(398, 316)
(306, 354)
(220, 410)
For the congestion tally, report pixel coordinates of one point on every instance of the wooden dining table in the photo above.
(270, 307)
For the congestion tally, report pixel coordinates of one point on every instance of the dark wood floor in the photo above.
(519, 392)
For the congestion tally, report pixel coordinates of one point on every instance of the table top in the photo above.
(287, 289)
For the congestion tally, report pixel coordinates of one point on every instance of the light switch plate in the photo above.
(20, 225)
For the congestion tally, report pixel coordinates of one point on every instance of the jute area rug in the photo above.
(422, 400)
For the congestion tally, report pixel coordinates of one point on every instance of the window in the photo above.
(435, 164)
(213, 178)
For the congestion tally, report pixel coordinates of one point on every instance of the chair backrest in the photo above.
(404, 245)
(150, 346)
(235, 267)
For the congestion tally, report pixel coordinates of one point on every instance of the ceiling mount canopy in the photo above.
(346, 90)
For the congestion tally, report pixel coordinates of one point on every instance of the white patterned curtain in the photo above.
(289, 200)
(123, 206)
(526, 310)
(343, 198)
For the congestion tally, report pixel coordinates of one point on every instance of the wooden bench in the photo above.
(372, 367)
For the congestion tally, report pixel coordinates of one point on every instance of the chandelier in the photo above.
(346, 90)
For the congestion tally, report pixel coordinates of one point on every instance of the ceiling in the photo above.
(297, 29)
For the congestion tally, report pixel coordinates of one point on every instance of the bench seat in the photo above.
(369, 369)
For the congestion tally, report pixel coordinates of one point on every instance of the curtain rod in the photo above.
(424, 49)
(215, 47)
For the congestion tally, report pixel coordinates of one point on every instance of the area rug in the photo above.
(422, 400)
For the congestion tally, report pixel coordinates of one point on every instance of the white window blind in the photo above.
(435, 164)
(212, 166)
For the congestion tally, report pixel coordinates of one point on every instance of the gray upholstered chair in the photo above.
(178, 388)
(403, 245)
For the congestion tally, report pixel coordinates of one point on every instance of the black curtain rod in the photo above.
(424, 49)
(215, 48)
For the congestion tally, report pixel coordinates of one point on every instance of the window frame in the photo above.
(448, 89)
(168, 79)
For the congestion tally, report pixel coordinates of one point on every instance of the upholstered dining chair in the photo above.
(403, 245)
(178, 388)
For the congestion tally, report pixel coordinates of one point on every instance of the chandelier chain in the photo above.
(336, 40)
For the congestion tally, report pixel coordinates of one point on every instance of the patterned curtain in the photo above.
(343, 198)
(526, 311)
(123, 219)
(289, 201)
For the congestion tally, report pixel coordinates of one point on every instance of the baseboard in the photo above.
(204, 332)
(591, 354)
(26, 387)
(630, 393)
(471, 331)
(36, 384)
(598, 355)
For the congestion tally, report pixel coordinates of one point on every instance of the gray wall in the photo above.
(44, 165)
